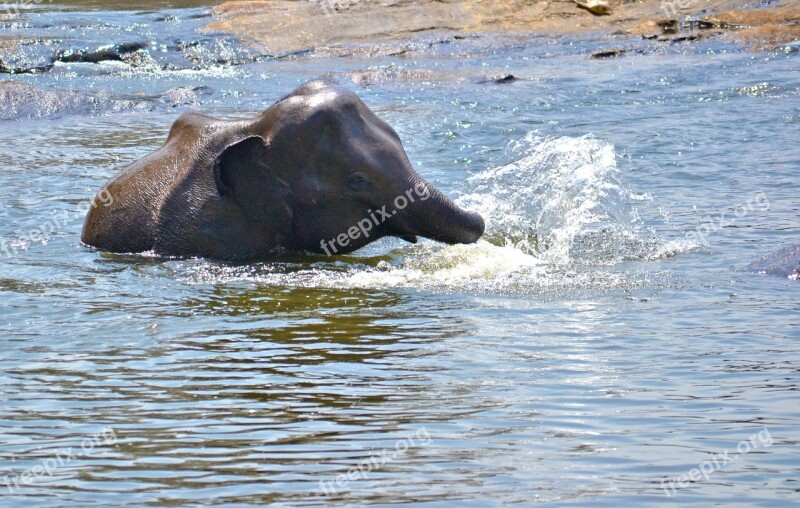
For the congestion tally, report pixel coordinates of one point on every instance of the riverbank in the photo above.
(282, 26)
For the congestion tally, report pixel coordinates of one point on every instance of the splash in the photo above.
(559, 216)
(562, 201)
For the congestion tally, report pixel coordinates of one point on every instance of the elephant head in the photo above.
(338, 175)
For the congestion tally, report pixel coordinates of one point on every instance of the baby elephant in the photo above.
(317, 172)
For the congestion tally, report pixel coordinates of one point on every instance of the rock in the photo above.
(761, 29)
(784, 263)
(792, 47)
(682, 38)
(24, 101)
(105, 53)
(653, 28)
(510, 78)
(507, 79)
(752, 17)
(24, 56)
(668, 26)
(609, 53)
(596, 7)
(284, 28)
(185, 95)
(767, 36)
(389, 74)
(648, 30)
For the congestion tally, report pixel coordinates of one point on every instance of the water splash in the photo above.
(558, 217)
(562, 201)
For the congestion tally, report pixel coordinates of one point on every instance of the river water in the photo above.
(630, 315)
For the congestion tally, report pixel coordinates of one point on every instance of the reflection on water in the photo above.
(289, 377)
(581, 353)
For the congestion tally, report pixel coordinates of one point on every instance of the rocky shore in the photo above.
(283, 27)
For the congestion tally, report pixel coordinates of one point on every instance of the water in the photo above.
(617, 327)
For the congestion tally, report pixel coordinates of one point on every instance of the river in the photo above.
(629, 317)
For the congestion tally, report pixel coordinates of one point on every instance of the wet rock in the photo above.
(654, 28)
(648, 30)
(504, 80)
(9, 46)
(767, 36)
(218, 50)
(759, 28)
(752, 17)
(696, 24)
(24, 101)
(24, 56)
(681, 38)
(509, 78)
(184, 95)
(792, 47)
(106, 53)
(668, 26)
(5, 69)
(608, 53)
(391, 74)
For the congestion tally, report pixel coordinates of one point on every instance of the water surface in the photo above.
(608, 335)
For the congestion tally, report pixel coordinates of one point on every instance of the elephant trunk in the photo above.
(438, 218)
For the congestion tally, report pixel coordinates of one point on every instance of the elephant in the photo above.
(317, 172)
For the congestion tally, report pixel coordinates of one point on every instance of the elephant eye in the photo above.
(358, 182)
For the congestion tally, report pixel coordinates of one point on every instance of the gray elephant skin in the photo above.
(305, 176)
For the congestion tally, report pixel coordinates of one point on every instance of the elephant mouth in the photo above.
(409, 238)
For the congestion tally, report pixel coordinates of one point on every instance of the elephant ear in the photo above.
(234, 168)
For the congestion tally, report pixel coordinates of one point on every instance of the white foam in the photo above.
(559, 216)
(431, 265)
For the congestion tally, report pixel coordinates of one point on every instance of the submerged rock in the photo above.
(608, 53)
(785, 263)
(389, 74)
(20, 100)
(507, 79)
(114, 52)
(24, 56)
(185, 95)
